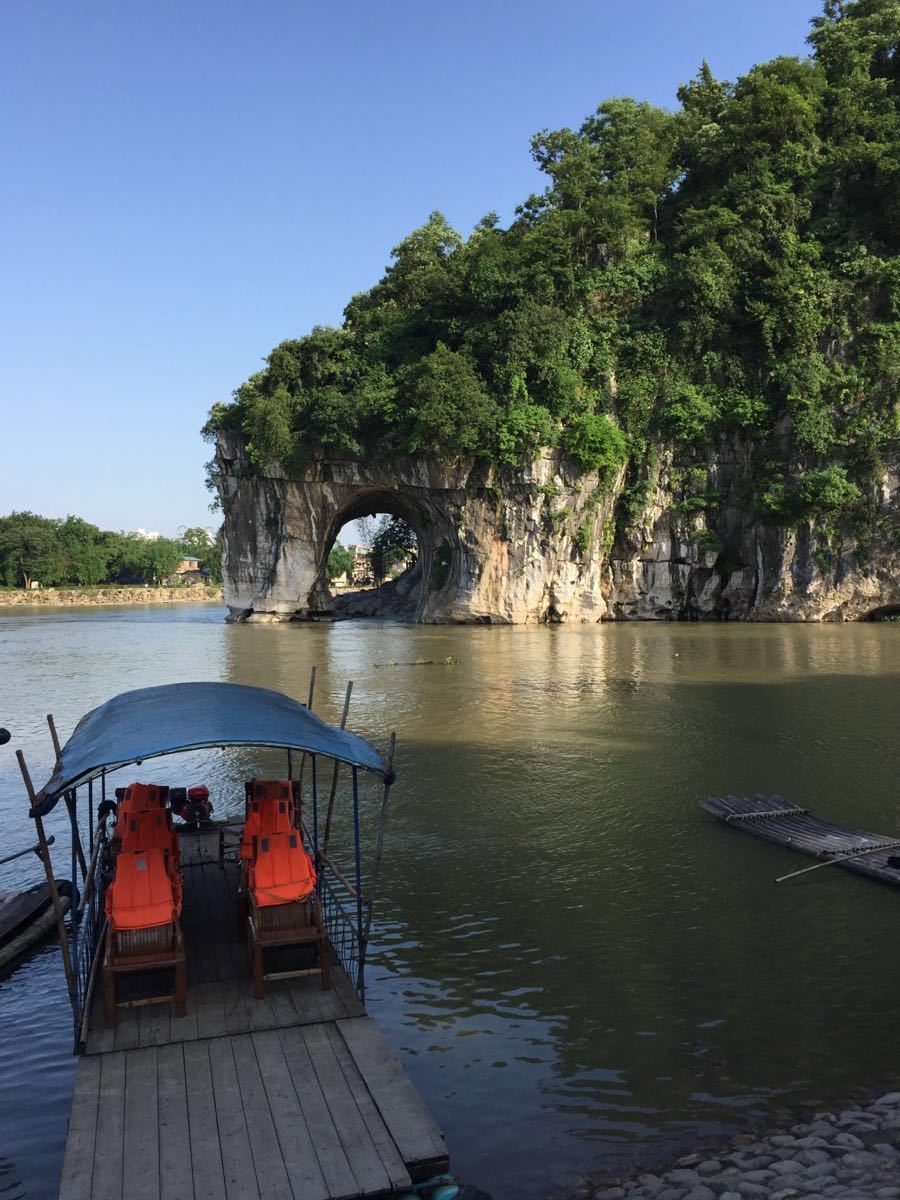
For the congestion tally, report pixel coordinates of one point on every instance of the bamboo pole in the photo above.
(379, 848)
(28, 850)
(337, 874)
(55, 736)
(51, 882)
(70, 803)
(89, 882)
(334, 777)
(76, 834)
(309, 704)
(839, 857)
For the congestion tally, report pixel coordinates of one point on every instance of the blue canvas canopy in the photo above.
(154, 721)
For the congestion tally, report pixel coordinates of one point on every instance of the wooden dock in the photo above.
(776, 820)
(294, 1097)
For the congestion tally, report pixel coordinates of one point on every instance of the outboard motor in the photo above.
(192, 805)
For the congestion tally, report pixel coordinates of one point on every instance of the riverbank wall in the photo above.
(112, 595)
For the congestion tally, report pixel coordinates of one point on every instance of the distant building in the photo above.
(188, 571)
(146, 535)
(362, 566)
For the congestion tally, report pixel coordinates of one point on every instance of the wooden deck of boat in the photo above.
(776, 820)
(297, 1096)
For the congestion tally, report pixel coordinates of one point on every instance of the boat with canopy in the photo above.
(256, 1066)
(151, 723)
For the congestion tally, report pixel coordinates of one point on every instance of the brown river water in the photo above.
(578, 968)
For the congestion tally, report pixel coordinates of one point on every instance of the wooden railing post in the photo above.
(51, 882)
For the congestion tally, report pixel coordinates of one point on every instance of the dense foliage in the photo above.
(726, 270)
(393, 544)
(340, 562)
(71, 551)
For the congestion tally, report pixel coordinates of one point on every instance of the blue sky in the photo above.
(186, 182)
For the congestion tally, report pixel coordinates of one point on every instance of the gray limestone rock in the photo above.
(539, 544)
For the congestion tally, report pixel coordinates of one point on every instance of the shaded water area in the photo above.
(578, 968)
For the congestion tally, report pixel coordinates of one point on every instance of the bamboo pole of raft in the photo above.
(376, 865)
(70, 803)
(839, 858)
(51, 882)
(28, 850)
(309, 704)
(334, 777)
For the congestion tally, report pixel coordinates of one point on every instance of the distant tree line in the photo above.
(727, 271)
(57, 551)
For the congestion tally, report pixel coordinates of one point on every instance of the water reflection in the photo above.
(570, 957)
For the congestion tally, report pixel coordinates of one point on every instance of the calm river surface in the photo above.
(578, 968)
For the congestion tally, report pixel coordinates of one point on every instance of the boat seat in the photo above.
(146, 890)
(143, 933)
(270, 809)
(282, 870)
(284, 909)
(264, 817)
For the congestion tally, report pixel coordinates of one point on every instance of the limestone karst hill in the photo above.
(669, 387)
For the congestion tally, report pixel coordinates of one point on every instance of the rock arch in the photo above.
(403, 599)
(278, 532)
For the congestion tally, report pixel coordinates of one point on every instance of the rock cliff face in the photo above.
(542, 544)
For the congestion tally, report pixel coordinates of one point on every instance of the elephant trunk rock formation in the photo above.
(543, 543)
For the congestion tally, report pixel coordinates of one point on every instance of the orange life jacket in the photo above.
(141, 796)
(270, 809)
(282, 871)
(149, 830)
(144, 892)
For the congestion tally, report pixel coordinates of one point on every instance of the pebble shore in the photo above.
(851, 1155)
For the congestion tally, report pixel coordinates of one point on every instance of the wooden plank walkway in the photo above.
(776, 820)
(297, 1096)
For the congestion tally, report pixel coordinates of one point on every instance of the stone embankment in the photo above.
(851, 1155)
(74, 597)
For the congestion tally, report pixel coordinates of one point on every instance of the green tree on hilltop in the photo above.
(725, 270)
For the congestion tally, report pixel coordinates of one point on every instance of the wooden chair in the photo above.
(268, 808)
(284, 910)
(143, 907)
(140, 950)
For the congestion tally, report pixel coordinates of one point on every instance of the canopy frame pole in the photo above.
(315, 803)
(77, 854)
(51, 882)
(334, 778)
(309, 705)
(78, 859)
(290, 765)
(55, 736)
(358, 864)
(91, 817)
(376, 865)
(70, 803)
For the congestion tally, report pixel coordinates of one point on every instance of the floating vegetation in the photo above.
(449, 661)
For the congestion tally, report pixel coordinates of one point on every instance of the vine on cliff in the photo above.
(725, 270)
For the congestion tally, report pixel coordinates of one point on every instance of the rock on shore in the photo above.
(851, 1155)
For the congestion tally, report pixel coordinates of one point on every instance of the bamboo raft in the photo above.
(776, 820)
(296, 1096)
